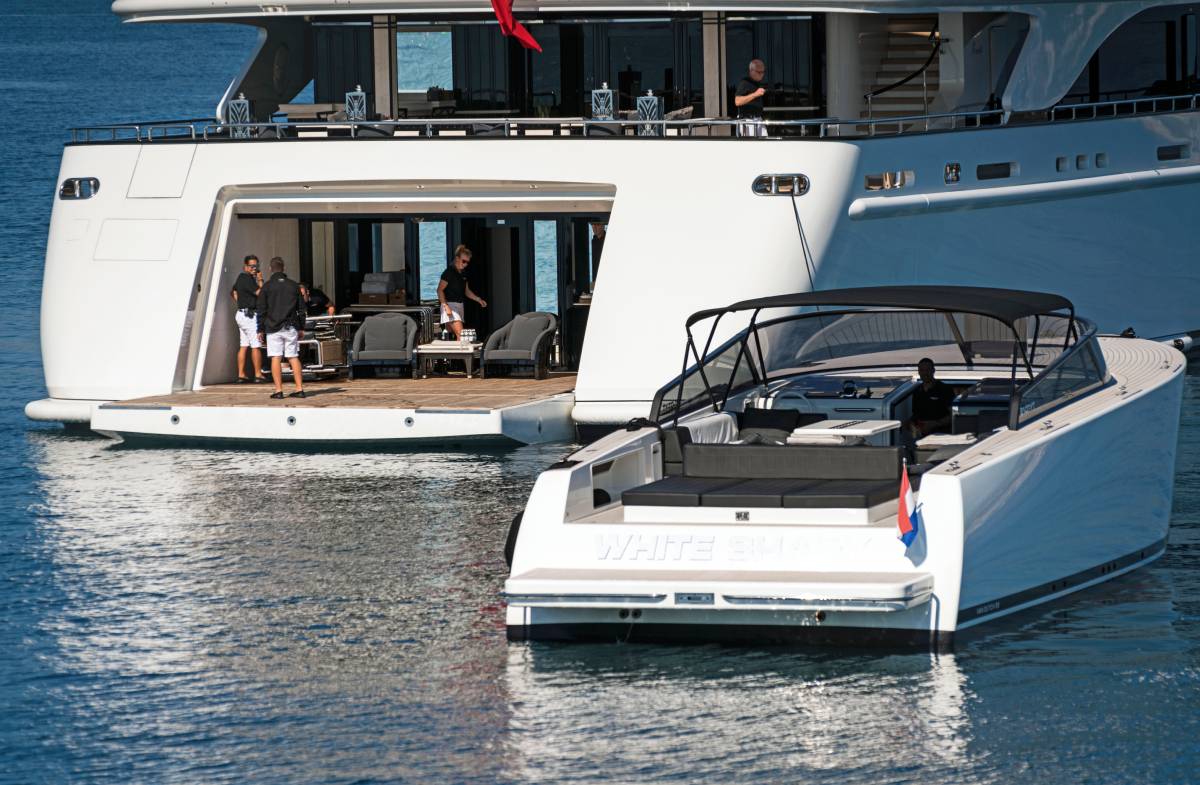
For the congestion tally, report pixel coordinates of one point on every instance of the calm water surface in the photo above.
(191, 616)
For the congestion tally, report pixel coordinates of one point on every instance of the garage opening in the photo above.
(361, 260)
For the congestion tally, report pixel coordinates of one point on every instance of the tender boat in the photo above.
(762, 502)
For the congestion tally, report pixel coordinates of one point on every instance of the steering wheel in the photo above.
(805, 405)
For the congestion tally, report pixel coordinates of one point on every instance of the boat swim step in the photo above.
(874, 592)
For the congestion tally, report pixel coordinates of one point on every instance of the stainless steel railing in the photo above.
(208, 129)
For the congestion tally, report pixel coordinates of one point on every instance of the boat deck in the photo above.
(440, 411)
(446, 392)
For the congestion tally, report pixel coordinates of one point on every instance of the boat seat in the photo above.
(800, 462)
(842, 493)
(753, 493)
(673, 492)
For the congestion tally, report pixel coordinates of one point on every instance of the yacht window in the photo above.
(343, 61)
(792, 50)
(423, 60)
(995, 171)
(545, 265)
(1173, 152)
(1152, 54)
(434, 256)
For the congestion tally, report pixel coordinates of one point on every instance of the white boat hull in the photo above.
(1081, 498)
(682, 236)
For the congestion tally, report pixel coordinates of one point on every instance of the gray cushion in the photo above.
(672, 492)
(809, 462)
(391, 277)
(509, 354)
(753, 493)
(383, 354)
(763, 435)
(842, 493)
(525, 330)
(377, 287)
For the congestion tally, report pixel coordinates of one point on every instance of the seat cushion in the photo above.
(386, 331)
(842, 493)
(805, 462)
(672, 492)
(525, 330)
(763, 435)
(753, 493)
(508, 354)
(383, 354)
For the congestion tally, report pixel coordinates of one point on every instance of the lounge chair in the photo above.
(523, 341)
(382, 340)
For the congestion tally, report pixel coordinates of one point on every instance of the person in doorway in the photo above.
(281, 318)
(599, 231)
(930, 402)
(316, 302)
(245, 297)
(453, 290)
(748, 98)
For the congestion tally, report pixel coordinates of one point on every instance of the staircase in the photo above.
(907, 50)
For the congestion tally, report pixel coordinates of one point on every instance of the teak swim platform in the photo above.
(359, 412)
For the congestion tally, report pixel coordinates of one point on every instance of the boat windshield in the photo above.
(828, 341)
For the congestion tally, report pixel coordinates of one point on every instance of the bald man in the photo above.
(748, 98)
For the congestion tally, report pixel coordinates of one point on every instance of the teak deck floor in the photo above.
(445, 392)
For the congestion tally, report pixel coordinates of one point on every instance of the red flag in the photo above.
(510, 26)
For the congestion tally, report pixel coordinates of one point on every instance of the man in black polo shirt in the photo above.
(245, 297)
(453, 290)
(930, 402)
(748, 98)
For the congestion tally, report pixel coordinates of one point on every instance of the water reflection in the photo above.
(726, 714)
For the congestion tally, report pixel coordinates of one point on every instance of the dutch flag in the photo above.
(909, 518)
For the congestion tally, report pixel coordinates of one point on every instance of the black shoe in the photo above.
(298, 394)
(242, 380)
(277, 395)
(259, 379)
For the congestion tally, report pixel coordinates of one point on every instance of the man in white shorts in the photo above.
(245, 298)
(453, 290)
(281, 318)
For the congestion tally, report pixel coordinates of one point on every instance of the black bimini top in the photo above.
(1006, 305)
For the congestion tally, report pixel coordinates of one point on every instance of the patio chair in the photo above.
(523, 341)
(386, 339)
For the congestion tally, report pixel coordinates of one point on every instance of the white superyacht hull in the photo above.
(1020, 519)
(685, 232)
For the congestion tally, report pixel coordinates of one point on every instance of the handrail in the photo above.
(1055, 111)
(935, 47)
(826, 127)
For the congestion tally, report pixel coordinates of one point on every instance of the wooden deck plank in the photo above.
(432, 393)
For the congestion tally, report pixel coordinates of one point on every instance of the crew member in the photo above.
(930, 402)
(245, 297)
(316, 302)
(748, 98)
(453, 290)
(281, 318)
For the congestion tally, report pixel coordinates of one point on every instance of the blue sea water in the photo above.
(208, 617)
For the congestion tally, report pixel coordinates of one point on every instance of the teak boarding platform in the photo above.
(352, 413)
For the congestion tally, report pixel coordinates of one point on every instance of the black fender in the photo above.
(510, 544)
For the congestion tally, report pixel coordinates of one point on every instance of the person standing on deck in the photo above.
(453, 290)
(281, 318)
(245, 295)
(748, 98)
